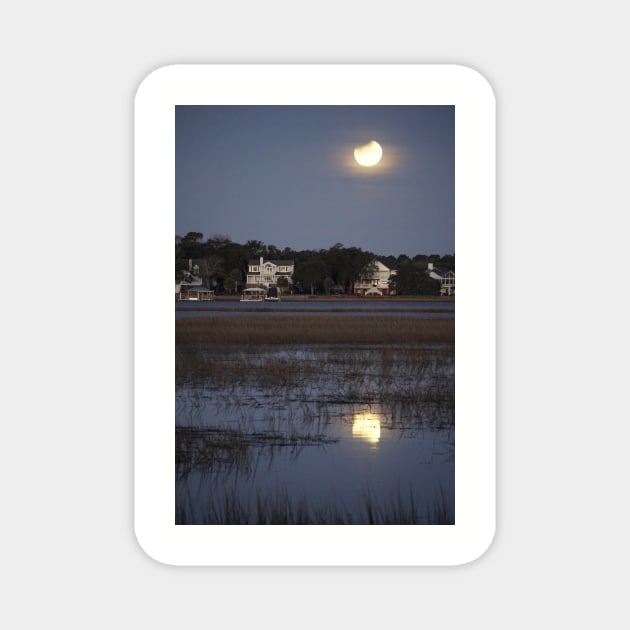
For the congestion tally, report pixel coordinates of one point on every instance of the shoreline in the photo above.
(347, 298)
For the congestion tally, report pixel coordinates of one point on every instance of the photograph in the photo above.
(314, 314)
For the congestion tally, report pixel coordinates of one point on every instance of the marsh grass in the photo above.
(315, 329)
(303, 383)
(278, 508)
(243, 309)
(251, 388)
(242, 365)
(205, 448)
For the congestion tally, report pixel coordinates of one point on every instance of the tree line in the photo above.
(223, 265)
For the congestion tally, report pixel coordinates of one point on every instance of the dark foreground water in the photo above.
(315, 435)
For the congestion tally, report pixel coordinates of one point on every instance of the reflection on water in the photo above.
(367, 426)
(315, 435)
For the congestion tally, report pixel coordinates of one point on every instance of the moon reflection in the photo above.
(367, 426)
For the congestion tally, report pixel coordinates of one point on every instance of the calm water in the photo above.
(354, 435)
(306, 306)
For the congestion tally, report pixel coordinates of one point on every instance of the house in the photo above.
(264, 274)
(190, 281)
(375, 280)
(445, 276)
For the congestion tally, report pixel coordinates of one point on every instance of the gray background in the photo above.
(70, 70)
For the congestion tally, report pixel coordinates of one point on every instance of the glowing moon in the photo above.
(369, 154)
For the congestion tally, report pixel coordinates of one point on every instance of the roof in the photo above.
(381, 266)
(440, 271)
(199, 288)
(256, 261)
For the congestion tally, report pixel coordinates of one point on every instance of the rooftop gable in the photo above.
(278, 263)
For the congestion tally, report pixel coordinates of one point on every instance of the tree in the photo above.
(287, 254)
(211, 269)
(412, 279)
(346, 264)
(234, 256)
(218, 240)
(448, 261)
(401, 260)
(189, 246)
(421, 261)
(271, 252)
(329, 283)
(256, 248)
(310, 273)
(368, 272)
(356, 261)
(282, 283)
(232, 281)
(193, 237)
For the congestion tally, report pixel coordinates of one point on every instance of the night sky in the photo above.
(286, 176)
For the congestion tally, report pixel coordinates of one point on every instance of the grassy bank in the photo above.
(315, 329)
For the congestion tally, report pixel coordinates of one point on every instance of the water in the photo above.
(362, 307)
(332, 434)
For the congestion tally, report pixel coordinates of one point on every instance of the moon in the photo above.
(369, 154)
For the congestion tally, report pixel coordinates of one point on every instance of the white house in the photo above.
(264, 274)
(375, 281)
(190, 280)
(446, 278)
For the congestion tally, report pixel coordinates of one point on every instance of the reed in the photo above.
(201, 308)
(212, 449)
(250, 389)
(413, 386)
(277, 508)
(231, 366)
(315, 329)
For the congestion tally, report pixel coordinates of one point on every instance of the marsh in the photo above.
(321, 419)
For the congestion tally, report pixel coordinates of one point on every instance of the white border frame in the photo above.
(154, 364)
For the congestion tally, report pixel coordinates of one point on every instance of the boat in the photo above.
(272, 295)
(253, 295)
(195, 293)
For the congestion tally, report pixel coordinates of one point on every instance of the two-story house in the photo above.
(375, 280)
(446, 278)
(265, 274)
